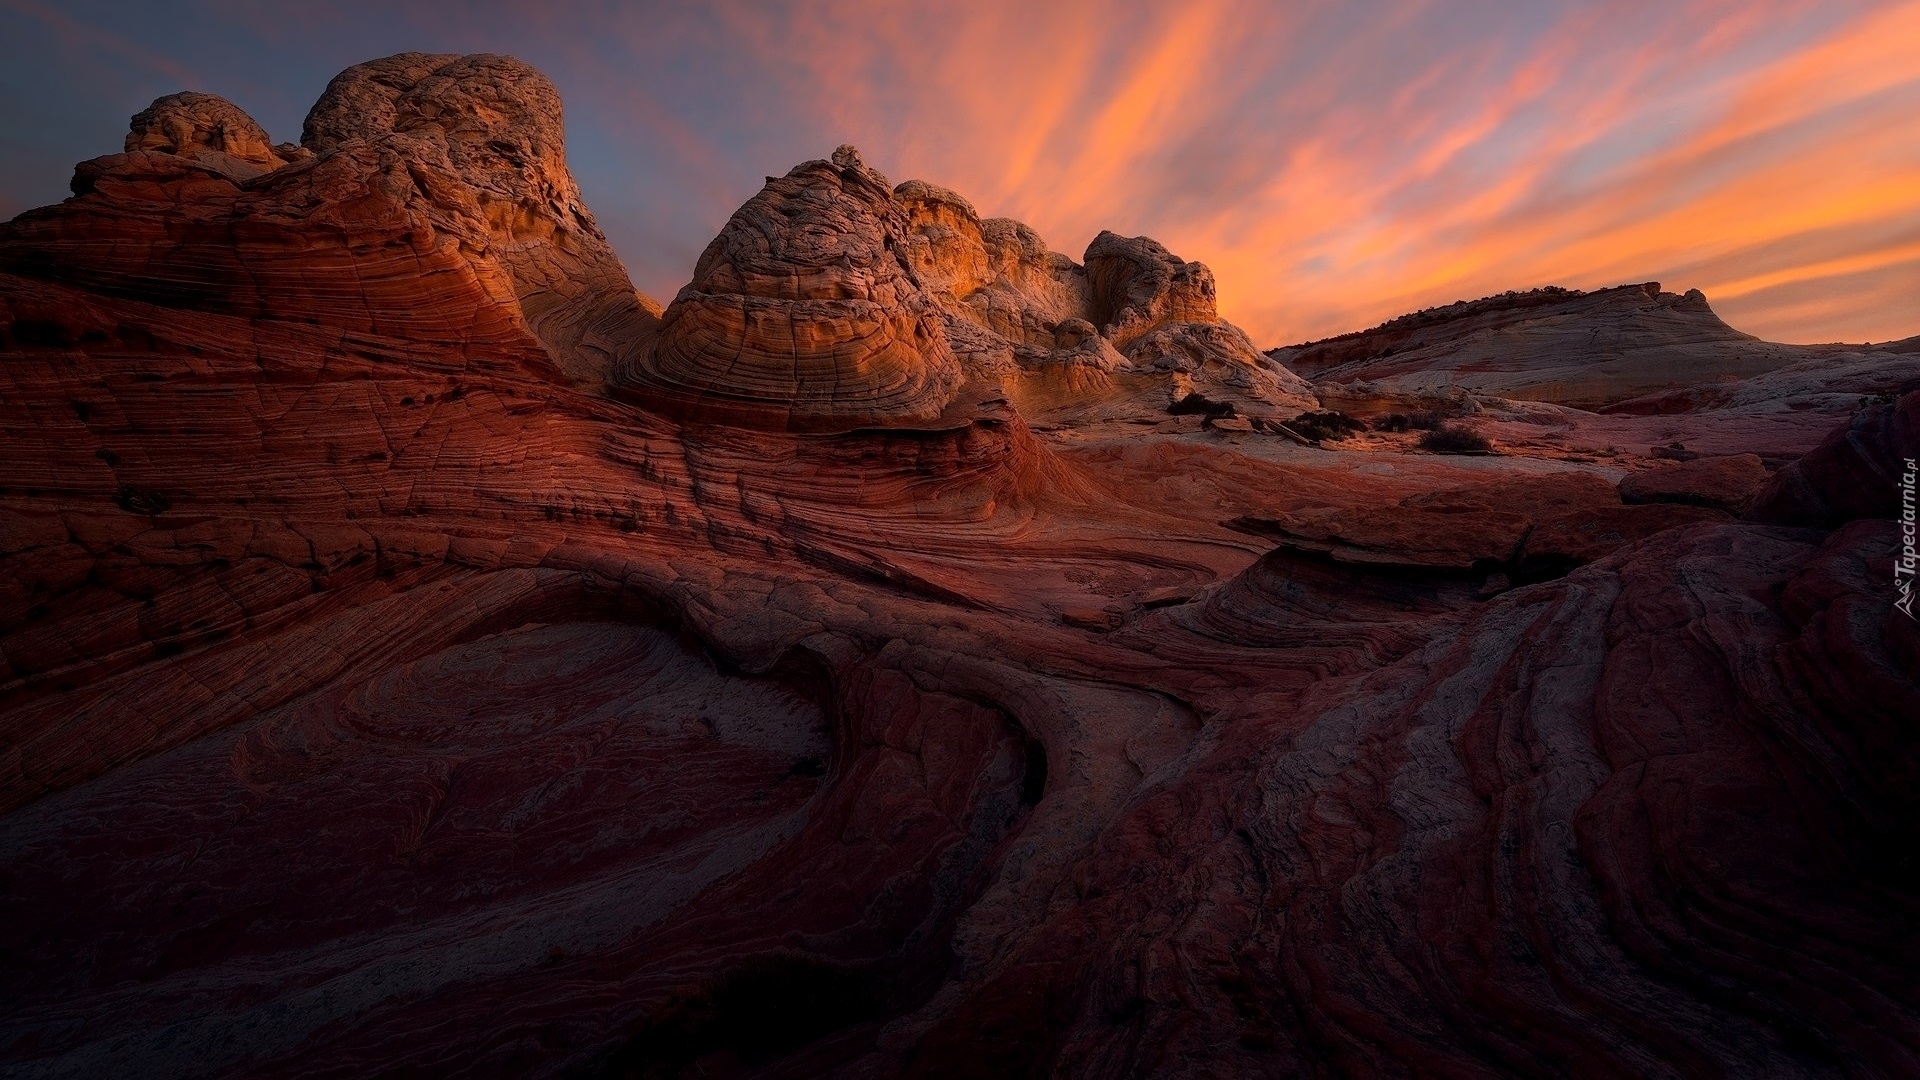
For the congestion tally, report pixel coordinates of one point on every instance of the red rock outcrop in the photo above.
(1854, 473)
(1722, 483)
(429, 199)
(375, 701)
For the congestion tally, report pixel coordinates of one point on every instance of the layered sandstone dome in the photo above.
(412, 170)
(801, 316)
(830, 302)
(498, 126)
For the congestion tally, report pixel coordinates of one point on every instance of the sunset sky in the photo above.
(1336, 164)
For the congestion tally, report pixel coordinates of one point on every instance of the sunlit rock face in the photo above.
(880, 680)
(827, 304)
(211, 130)
(801, 315)
(430, 198)
(997, 273)
(497, 124)
(1159, 311)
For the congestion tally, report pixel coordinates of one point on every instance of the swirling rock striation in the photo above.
(801, 315)
(375, 702)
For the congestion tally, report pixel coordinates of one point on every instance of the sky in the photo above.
(1336, 164)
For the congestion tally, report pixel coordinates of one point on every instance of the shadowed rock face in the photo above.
(375, 700)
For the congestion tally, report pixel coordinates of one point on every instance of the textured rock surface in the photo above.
(430, 198)
(374, 702)
(1137, 285)
(829, 302)
(801, 315)
(1723, 483)
(211, 130)
(1855, 472)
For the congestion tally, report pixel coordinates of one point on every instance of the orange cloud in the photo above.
(1336, 164)
(1335, 176)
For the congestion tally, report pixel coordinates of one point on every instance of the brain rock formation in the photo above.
(928, 657)
(210, 130)
(497, 124)
(802, 316)
(830, 302)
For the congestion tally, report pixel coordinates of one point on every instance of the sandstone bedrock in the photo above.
(911, 651)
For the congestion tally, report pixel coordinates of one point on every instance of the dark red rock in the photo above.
(1855, 473)
(1722, 483)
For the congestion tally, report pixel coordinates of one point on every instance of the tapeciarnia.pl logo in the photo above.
(1903, 563)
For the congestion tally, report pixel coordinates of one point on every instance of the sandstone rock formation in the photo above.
(375, 701)
(498, 123)
(1137, 285)
(996, 273)
(801, 315)
(829, 303)
(1586, 350)
(429, 198)
(210, 130)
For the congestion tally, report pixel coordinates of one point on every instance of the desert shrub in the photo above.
(1455, 439)
(1426, 420)
(1392, 422)
(1202, 405)
(1323, 426)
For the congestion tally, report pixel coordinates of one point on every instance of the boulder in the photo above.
(1726, 483)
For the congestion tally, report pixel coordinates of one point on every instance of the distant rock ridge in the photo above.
(1587, 350)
